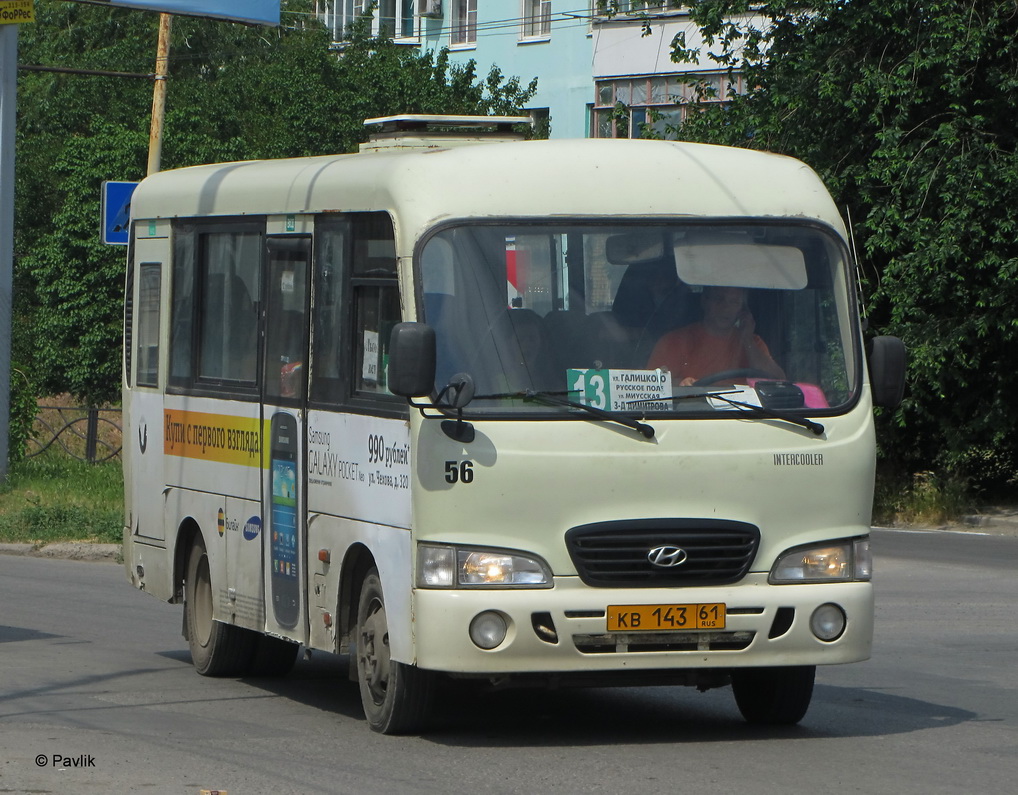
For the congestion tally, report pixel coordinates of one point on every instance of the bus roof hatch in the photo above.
(418, 131)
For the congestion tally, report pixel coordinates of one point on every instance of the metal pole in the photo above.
(155, 138)
(8, 106)
(91, 433)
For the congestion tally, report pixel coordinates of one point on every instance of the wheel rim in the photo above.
(373, 651)
(202, 602)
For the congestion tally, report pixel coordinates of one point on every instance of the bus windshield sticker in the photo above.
(369, 370)
(743, 394)
(621, 390)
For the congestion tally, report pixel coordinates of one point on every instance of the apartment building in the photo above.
(602, 71)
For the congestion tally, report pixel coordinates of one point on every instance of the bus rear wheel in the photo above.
(217, 649)
(774, 696)
(397, 698)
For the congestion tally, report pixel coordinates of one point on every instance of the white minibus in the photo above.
(536, 413)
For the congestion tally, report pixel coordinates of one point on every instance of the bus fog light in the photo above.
(488, 629)
(828, 622)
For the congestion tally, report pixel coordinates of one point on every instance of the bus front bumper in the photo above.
(565, 628)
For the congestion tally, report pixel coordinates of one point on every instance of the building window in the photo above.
(396, 19)
(611, 8)
(634, 107)
(464, 22)
(339, 15)
(536, 19)
(540, 119)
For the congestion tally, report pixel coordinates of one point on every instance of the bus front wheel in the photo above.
(774, 696)
(397, 698)
(217, 649)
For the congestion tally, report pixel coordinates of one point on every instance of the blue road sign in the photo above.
(116, 212)
(265, 12)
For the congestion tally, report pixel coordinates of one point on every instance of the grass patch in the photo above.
(926, 500)
(56, 498)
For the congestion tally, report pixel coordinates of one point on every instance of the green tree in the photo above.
(906, 109)
(235, 92)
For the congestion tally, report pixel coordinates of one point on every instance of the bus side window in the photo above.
(287, 261)
(375, 300)
(150, 276)
(215, 308)
(182, 305)
(228, 323)
(331, 271)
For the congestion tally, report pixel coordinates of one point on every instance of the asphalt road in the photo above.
(97, 695)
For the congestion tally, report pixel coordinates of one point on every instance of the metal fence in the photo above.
(88, 434)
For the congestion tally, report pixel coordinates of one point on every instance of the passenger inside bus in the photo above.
(724, 340)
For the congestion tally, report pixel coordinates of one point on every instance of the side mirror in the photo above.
(886, 359)
(411, 360)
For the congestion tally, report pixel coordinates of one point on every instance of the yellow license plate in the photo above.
(662, 618)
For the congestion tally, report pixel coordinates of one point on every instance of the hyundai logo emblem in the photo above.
(667, 556)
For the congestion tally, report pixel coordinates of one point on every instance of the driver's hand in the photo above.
(746, 325)
(687, 381)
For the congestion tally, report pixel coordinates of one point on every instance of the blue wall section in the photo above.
(562, 62)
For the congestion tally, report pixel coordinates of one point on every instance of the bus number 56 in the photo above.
(459, 471)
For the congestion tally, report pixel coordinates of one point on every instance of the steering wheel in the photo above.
(725, 375)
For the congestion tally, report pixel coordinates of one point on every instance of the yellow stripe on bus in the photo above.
(212, 437)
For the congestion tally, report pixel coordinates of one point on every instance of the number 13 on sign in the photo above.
(589, 387)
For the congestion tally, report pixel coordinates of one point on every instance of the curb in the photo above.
(69, 550)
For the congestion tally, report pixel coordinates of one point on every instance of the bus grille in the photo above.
(662, 641)
(616, 554)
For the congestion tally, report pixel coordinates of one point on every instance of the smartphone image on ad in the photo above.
(283, 520)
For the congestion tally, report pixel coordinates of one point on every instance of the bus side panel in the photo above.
(212, 467)
(390, 550)
(359, 467)
(207, 513)
(245, 586)
(358, 492)
(147, 479)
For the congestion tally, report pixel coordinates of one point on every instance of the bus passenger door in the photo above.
(284, 397)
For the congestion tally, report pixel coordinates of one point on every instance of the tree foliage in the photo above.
(906, 109)
(234, 92)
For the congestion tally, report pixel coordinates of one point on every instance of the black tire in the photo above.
(272, 656)
(397, 698)
(774, 696)
(217, 649)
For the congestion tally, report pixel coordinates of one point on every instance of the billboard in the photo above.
(13, 12)
(264, 12)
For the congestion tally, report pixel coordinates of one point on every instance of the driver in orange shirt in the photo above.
(724, 340)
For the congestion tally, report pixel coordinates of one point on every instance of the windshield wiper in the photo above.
(760, 411)
(556, 399)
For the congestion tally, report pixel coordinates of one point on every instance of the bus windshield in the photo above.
(649, 319)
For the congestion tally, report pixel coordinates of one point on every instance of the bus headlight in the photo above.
(457, 567)
(841, 561)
